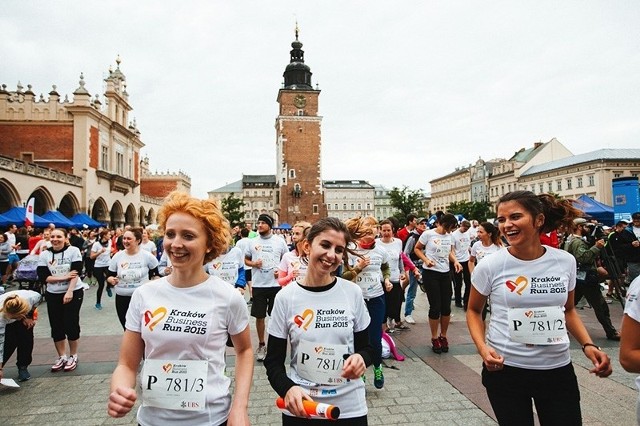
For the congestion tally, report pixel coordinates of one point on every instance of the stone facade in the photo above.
(349, 198)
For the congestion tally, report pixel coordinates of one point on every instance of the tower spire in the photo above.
(297, 75)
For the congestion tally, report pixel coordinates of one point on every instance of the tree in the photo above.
(407, 201)
(232, 209)
(478, 210)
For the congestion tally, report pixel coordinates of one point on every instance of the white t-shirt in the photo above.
(226, 266)
(189, 324)
(632, 307)
(292, 262)
(437, 248)
(479, 251)
(270, 250)
(33, 299)
(473, 233)
(132, 270)
(370, 278)
(515, 283)
(325, 318)
(103, 259)
(59, 263)
(395, 263)
(148, 246)
(461, 243)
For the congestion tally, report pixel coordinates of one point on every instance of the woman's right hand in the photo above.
(492, 360)
(293, 401)
(121, 401)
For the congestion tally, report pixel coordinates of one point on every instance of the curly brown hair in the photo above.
(207, 212)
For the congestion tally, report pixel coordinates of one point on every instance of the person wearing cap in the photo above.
(412, 221)
(587, 280)
(17, 319)
(263, 255)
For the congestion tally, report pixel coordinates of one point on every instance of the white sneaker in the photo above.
(261, 353)
(409, 319)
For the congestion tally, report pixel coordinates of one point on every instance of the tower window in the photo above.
(292, 173)
(315, 209)
(300, 112)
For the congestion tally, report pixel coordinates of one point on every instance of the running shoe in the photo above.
(409, 319)
(109, 292)
(444, 343)
(60, 363)
(23, 374)
(436, 346)
(98, 306)
(261, 352)
(378, 377)
(402, 326)
(72, 363)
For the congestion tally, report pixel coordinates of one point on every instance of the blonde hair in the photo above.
(207, 212)
(15, 306)
(361, 226)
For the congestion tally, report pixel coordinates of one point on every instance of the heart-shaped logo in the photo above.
(528, 314)
(217, 265)
(319, 349)
(124, 265)
(167, 367)
(518, 286)
(151, 319)
(304, 320)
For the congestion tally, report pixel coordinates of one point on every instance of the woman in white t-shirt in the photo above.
(101, 255)
(435, 249)
(324, 311)
(293, 264)
(179, 326)
(526, 352)
(369, 263)
(488, 242)
(630, 336)
(59, 267)
(229, 267)
(129, 269)
(147, 244)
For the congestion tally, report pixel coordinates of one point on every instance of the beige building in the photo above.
(258, 192)
(454, 187)
(80, 155)
(382, 203)
(505, 175)
(588, 174)
(349, 198)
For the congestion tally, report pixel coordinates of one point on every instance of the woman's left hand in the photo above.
(354, 367)
(601, 361)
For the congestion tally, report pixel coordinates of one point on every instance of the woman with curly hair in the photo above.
(179, 326)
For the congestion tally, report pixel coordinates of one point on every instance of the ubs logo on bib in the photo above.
(518, 285)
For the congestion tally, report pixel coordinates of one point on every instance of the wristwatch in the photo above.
(591, 344)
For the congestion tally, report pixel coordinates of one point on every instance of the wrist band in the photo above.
(590, 344)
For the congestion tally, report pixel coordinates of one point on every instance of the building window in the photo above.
(292, 173)
(335, 207)
(315, 209)
(368, 206)
(579, 183)
(105, 158)
(617, 175)
(344, 207)
(359, 206)
(130, 167)
(592, 180)
(549, 186)
(255, 193)
(569, 183)
(300, 112)
(559, 185)
(352, 206)
(119, 163)
(541, 187)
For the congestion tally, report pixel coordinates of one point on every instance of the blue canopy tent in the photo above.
(595, 209)
(58, 219)
(16, 215)
(82, 219)
(4, 221)
(283, 226)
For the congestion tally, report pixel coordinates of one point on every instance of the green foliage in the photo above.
(407, 201)
(479, 210)
(232, 209)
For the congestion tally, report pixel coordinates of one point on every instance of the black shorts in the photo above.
(263, 301)
(247, 275)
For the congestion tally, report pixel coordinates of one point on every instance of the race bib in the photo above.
(174, 385)
(320, 363)
(58, 270)
(538, 326)
(368, 281)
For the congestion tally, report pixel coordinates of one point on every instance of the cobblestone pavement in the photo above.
(425, 389)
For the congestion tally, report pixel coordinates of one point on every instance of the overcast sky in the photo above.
(410, 89)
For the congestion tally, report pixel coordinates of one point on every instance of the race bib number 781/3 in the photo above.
(175, 385)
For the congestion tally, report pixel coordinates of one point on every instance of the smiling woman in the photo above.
(187, 309)
(524, 278)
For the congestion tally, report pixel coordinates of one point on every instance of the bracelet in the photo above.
(591, 344)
